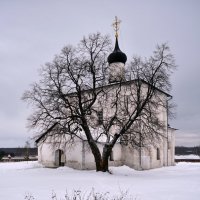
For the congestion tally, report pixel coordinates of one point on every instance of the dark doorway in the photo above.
(59, 158)
(158, 153)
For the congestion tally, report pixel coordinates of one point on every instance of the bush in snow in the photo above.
(79, 195)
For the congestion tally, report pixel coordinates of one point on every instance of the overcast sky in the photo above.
(32, 32)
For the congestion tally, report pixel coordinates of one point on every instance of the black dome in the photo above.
(117, 55)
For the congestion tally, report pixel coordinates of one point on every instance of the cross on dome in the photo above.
(116, 25)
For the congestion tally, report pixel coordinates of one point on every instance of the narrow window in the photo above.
(126, 105)
(169, 145)
(111, 156)
(158, 154)
(100, 117)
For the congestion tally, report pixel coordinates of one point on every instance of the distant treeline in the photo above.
(179, 150)
(187, 150)
(18, 152)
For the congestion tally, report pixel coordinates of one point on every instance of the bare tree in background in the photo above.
(27, 150)
(75, 98)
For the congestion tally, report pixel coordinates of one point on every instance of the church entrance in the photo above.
(59, 158)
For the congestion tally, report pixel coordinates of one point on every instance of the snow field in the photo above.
(180, 182)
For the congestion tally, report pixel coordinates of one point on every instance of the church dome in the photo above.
(117, 55)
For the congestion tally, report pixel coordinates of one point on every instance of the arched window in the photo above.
(158, 153)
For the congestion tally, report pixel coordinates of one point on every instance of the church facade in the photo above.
(79, 156)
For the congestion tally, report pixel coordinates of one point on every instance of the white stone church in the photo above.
(79, 156)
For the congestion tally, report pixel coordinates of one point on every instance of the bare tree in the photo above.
(27, 150)
(75, 97)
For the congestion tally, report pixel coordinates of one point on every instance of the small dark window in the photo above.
(158, 154)
(126, 105)
(111, 156)
(169, 145)
(100, 117)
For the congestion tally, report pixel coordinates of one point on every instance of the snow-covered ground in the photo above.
(191, 156)
(180, 182)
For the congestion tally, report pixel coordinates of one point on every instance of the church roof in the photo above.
(133, 81)
(126, 82)
(46, 132)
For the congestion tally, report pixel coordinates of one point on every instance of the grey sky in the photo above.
(32, 32)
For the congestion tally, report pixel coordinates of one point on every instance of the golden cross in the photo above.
(116, 26)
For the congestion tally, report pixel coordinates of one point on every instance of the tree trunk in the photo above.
(105, 165)
(93, 146)
(101, 161)
(97, 155)
(105, 156)
(107, 149)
